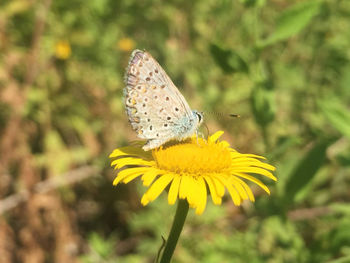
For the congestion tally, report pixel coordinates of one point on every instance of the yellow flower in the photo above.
(190, 168)
(126, 44)
(62, 49)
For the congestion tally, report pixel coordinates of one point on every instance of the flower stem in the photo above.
(179, 220)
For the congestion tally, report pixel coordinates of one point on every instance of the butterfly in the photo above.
(156, 109)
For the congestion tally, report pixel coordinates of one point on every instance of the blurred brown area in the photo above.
(38, 223)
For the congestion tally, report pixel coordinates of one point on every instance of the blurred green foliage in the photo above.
(282, 65)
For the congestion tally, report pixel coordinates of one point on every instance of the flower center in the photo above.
(193, 157)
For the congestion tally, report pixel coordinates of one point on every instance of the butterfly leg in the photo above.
(201, 135)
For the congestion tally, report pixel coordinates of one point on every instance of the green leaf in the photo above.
(229, 60)
(340, 236)
(253, 3)
(337, 114)
(263, 103)
(341, 208)
(283, 145)
(306, 169)
(344, 259)
(102, 246)
(292, 21)
(14, 7)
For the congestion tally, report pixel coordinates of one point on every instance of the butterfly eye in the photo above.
(199, 116)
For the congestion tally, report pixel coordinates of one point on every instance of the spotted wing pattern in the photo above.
(156, 109)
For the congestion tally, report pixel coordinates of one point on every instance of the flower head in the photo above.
(191, 167)
(62, 49)
(126, 44)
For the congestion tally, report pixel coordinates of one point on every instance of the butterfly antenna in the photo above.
(220, 114)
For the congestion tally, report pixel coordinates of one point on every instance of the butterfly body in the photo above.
(156, 109)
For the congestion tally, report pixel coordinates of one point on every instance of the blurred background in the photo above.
(282, 65)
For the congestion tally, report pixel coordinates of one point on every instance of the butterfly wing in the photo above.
(156, 109)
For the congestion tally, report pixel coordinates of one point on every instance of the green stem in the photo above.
(179, 220)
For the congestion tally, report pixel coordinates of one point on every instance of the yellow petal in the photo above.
(214, 195)
(224, 144)
(148, 177)
(255, 170)
(233, 193)
(156, 188)
(129, 172)
(235, 154)
(184, 187)
(255, 163)
(219, 186)
(120, 162)
(191, 191)
(253, 155)
(128, 150)
(215, 136)
(240, 189)
(174, 190)
(129, 178)
(247, 189)
(254, 180)
(202, 196)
